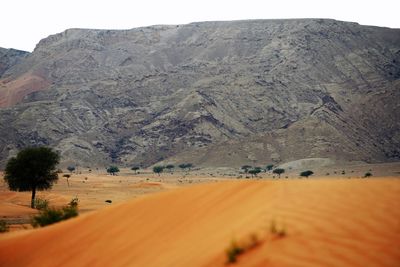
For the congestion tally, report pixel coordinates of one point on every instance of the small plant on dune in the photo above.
(74, 202)
(3, 226)
(233, 251)
(236, 248)
(41, 203)
(275, 230)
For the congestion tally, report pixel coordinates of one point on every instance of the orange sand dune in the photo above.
(328, 223)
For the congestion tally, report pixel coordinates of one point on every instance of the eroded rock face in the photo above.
(213, 93)
(9, 58)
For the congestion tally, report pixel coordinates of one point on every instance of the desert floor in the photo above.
(335, 220)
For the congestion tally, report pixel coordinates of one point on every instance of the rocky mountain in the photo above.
(212, 93)
(9, 58)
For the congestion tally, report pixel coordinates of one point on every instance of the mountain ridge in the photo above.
(277, 90)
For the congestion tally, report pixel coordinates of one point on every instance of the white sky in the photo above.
(24, 22)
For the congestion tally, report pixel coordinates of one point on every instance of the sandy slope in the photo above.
(328, 222)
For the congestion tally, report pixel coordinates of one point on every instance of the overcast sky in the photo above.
(24, 22)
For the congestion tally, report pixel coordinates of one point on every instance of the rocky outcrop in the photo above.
(214, 93)
(9, 58)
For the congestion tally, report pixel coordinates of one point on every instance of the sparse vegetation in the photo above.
(53, 215)
(306, 173)
(158, 169)
(246, 168)
(254, 171)
(186, 166)
(32, 169)
(135, 169)
(112, 170)
(41, 203)
(269, 167)
(279, 171)
(67, 176)
(233, 251)
(3, 226)
(277, 231)
(170, 167)
(71, 168)
(368, 174)
(74, 202)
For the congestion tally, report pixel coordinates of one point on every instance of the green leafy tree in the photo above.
(158, 169)
(269, 167)
(255, 171)
(306, 173)
(112, 170)
(32, 169)
(246, 168)
(135, 168)
(185, 166)
(170, 167)
(279, 171)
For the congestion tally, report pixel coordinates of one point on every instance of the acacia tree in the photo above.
(71, 168)
(158, 169)
(279, 171)
(32, 169)
(269, 167)
(135, 168)
(254, 171)
(306, 173)
(112, 170)
(170, 167)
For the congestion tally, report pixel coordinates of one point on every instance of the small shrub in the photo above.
(67, 175)
(41, 203)
(53, 215)
(277, 231)
(4, 226)
(112, 170)
(306, 173)
(108, 201)
(368, 174)
(74, 202)
(233, 251)
(343, 172)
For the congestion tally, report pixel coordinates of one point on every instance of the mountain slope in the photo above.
(277, 89)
